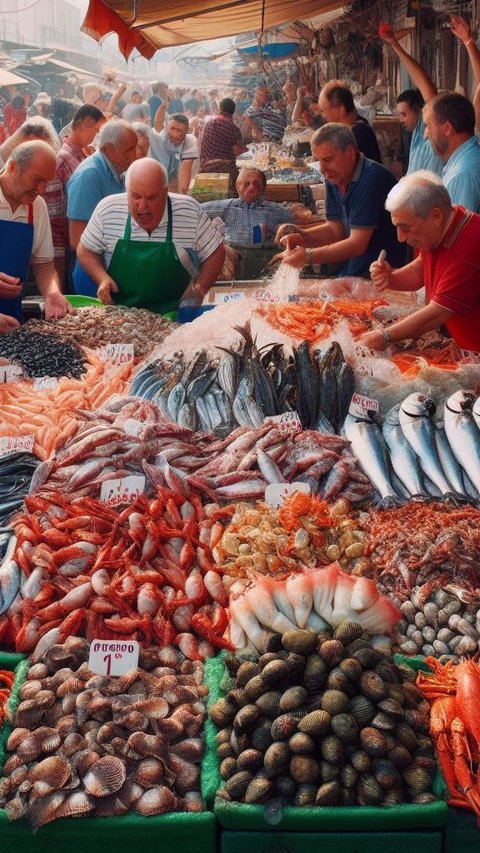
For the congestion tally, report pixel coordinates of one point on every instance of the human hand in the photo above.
(105, 290)
(10, 286)
(296, 256)
(283, 230)
(386, 33)
(460, 28)
(381, 273)
(291, 241)
(56, 306)
(122, 88)
(374, 340)
(8, 324)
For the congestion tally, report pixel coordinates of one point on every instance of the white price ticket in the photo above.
(276, 493)
(231, 296)
(113, 657)
(45, 383)
(366, 403)
(116, 353)
(123, 490)
(10, 373)
(16, 443)
(287, 421)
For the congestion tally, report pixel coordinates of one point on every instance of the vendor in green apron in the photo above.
(148, 248)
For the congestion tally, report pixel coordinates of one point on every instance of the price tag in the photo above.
(365, 352)
(113, 657)
(15, 443)
(265, 296)
(365, 402)
(364, 369)
(231, 296)
(276, 493)
(116, 353)
(10, 373)
(287, 421)
(470, 357)
(45, 383)
(133, 427)
(123, 490)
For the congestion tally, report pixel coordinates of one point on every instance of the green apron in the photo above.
(147, 274)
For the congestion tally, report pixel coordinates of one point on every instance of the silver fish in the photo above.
(176, 399)
(368, 446)
(403, 459)
(10, 578)
(416, 413)
(268, 468)
(476, 411)
(187, 416)
(453, 471)
(463, 433)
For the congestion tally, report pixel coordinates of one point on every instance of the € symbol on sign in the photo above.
(118, 655)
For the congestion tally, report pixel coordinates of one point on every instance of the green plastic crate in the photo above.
(332, 842)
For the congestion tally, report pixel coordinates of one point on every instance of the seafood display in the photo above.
(111, 324)
(443, 624)
(314, 321)
(84, 744)
(42, 355)
(318, 600)
(6, 682)
(244, 386)
(16, 472)
(322, 720)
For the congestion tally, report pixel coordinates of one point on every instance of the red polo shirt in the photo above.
(451, 273)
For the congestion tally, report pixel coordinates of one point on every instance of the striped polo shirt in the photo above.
(192, 228)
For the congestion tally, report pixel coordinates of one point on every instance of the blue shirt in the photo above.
(363, 206)
(461, 175)
(422, 155)
(241, 218)
(92, 180)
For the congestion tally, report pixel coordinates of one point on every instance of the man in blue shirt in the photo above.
(450, 127)
(358, 227)
(95, 178)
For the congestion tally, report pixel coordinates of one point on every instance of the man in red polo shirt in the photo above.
(448, 264)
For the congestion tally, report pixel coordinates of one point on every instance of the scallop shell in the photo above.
(45, 699)
(186, 775)
(45, 809)
(149, 772)
(11, 764)
(76, 804)
(246, 718)
(129, 793)
(15, 738)
(29, 749)
(67, 724)
(351, 668)
(275, 672)
(386, 773)
(299, 641)
(328, 794)
(276, 758)
(48, 738)
(301, 744)
(347, 632)
(28, 715)
(157, 800)
(316, 723)
(361, 761)
(293, 698)
(369, 790)
(84, 760)
(37, 671)
(332, 652)
(372, 686)
(17, 776)
(238, 784)
(250, 759)
(105, 777)
(335, 702)
(255, 688)
(269, 703)
(284, 727)
(373, 742)
(315, 673)
(246, 671)
(146, 745)
(259, 790)
(305, 795)
(345, 727)
(305, 769)
(53, 772)
(362, 709)
(110, 806)
(191, 749)
(332, 749)
(29, 689)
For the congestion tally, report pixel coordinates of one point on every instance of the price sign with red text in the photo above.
(366, 403)
(116, 353)
(276, 493)
(266, 296)
(113, 657)
(470, 357)
(286, 422)
(123, 490)
(10, 373)
(16, 443)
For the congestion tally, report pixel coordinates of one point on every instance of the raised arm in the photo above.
(462, 31)
(417, 74)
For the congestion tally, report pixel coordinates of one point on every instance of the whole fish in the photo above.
(416, 419)
(476, 411)
(463, 433)
(403, 459)
(452, 468)
(369, 448)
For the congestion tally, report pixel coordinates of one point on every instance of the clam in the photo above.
(367, 656)
(269, 703)
(263, 735)
(405, 734)
(335, 702)
(295, 663)
(299, 641)
(259, 790)
(384, 722)
(394, 797)
(293, 698)
(369, 791)
(372, 686)
(105, 777)
(373, 742)
(331, 652)
(255, 687)
(238, 784)
(157, 800)
(305, 769)
(412, 695)
(228, 768)
(305, 795)
(276, 758)
(301, 744)
(348, 776)
(329, 771)
(332, 749)
(239, 742)
(267, 658)
(222, 713)
(386, 773)
(361, 761)
(236, 697)
(225, 750)
(387, 670)
(328, 794)
(392, 707)
(362, 709)
(315, 673)
(272, 641)
(423, 798)
(223, 736)
(250, 759)
(347, 632)
(285, 786)
(345, 727)
(246, 718)
(315, 724)
(275, 672)
(285, 726)
(351, 668)
(355, 645)
(418, 779)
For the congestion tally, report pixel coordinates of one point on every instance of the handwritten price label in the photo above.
(470, 357)
(365, 402)
(15, 443)
(116, 353)
(266, 296)
(45, 383)
(365, 352)
(287, 421)
(113, 657)
(10, 373)
(276, 493)
(123, 490)
(364, 369)
(233, 296)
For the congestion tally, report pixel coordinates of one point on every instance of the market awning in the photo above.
(59, 63)
(149, 25)
(7, 78)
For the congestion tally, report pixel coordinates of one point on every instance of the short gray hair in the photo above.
(339, 135)
(24, 153)
(42, 128)
(419, 193)
(142, 128)
(155, 164)
(113, 131)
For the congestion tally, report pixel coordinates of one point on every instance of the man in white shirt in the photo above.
(174, 148)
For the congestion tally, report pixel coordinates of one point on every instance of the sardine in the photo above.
(187, 417)
(198, 386)
(416, 413)
(227, 374)
(404, 460)
(463, 433)
(369, 448)
(214, 415)
(176, 399)
(203, 416)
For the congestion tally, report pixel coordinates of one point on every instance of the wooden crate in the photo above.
(282, 192)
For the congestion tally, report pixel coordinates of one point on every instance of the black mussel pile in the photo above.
(85, 744)
(16, 472)
(324, 721)
(42, 355)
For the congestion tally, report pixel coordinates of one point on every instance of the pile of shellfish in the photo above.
(324, 720)
(443, 625)
(84, 744)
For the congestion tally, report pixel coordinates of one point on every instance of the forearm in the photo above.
(409, 277)
(76, 227)
(46, 277)
(321, 235)
(184, 175)
(210, 270)
(91, 263)
(417, 74)
(430, 317)
(159, 119)
(297, 110)
(474, 56)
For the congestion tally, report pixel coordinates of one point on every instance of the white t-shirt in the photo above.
(192, 228)
(169, 155)
(42, 249)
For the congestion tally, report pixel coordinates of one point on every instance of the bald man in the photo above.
(25, 234)
(149, 248)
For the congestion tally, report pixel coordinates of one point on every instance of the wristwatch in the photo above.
(386, 337)
(309, 256)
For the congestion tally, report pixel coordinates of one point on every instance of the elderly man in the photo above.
(450, 127)
(98, 176)
(249, 219)
(448, 265)
(174, 148)
(265, 123)
(221, 143)
(357, 226)
(25, 235)
(140, 246)
(335, 103)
